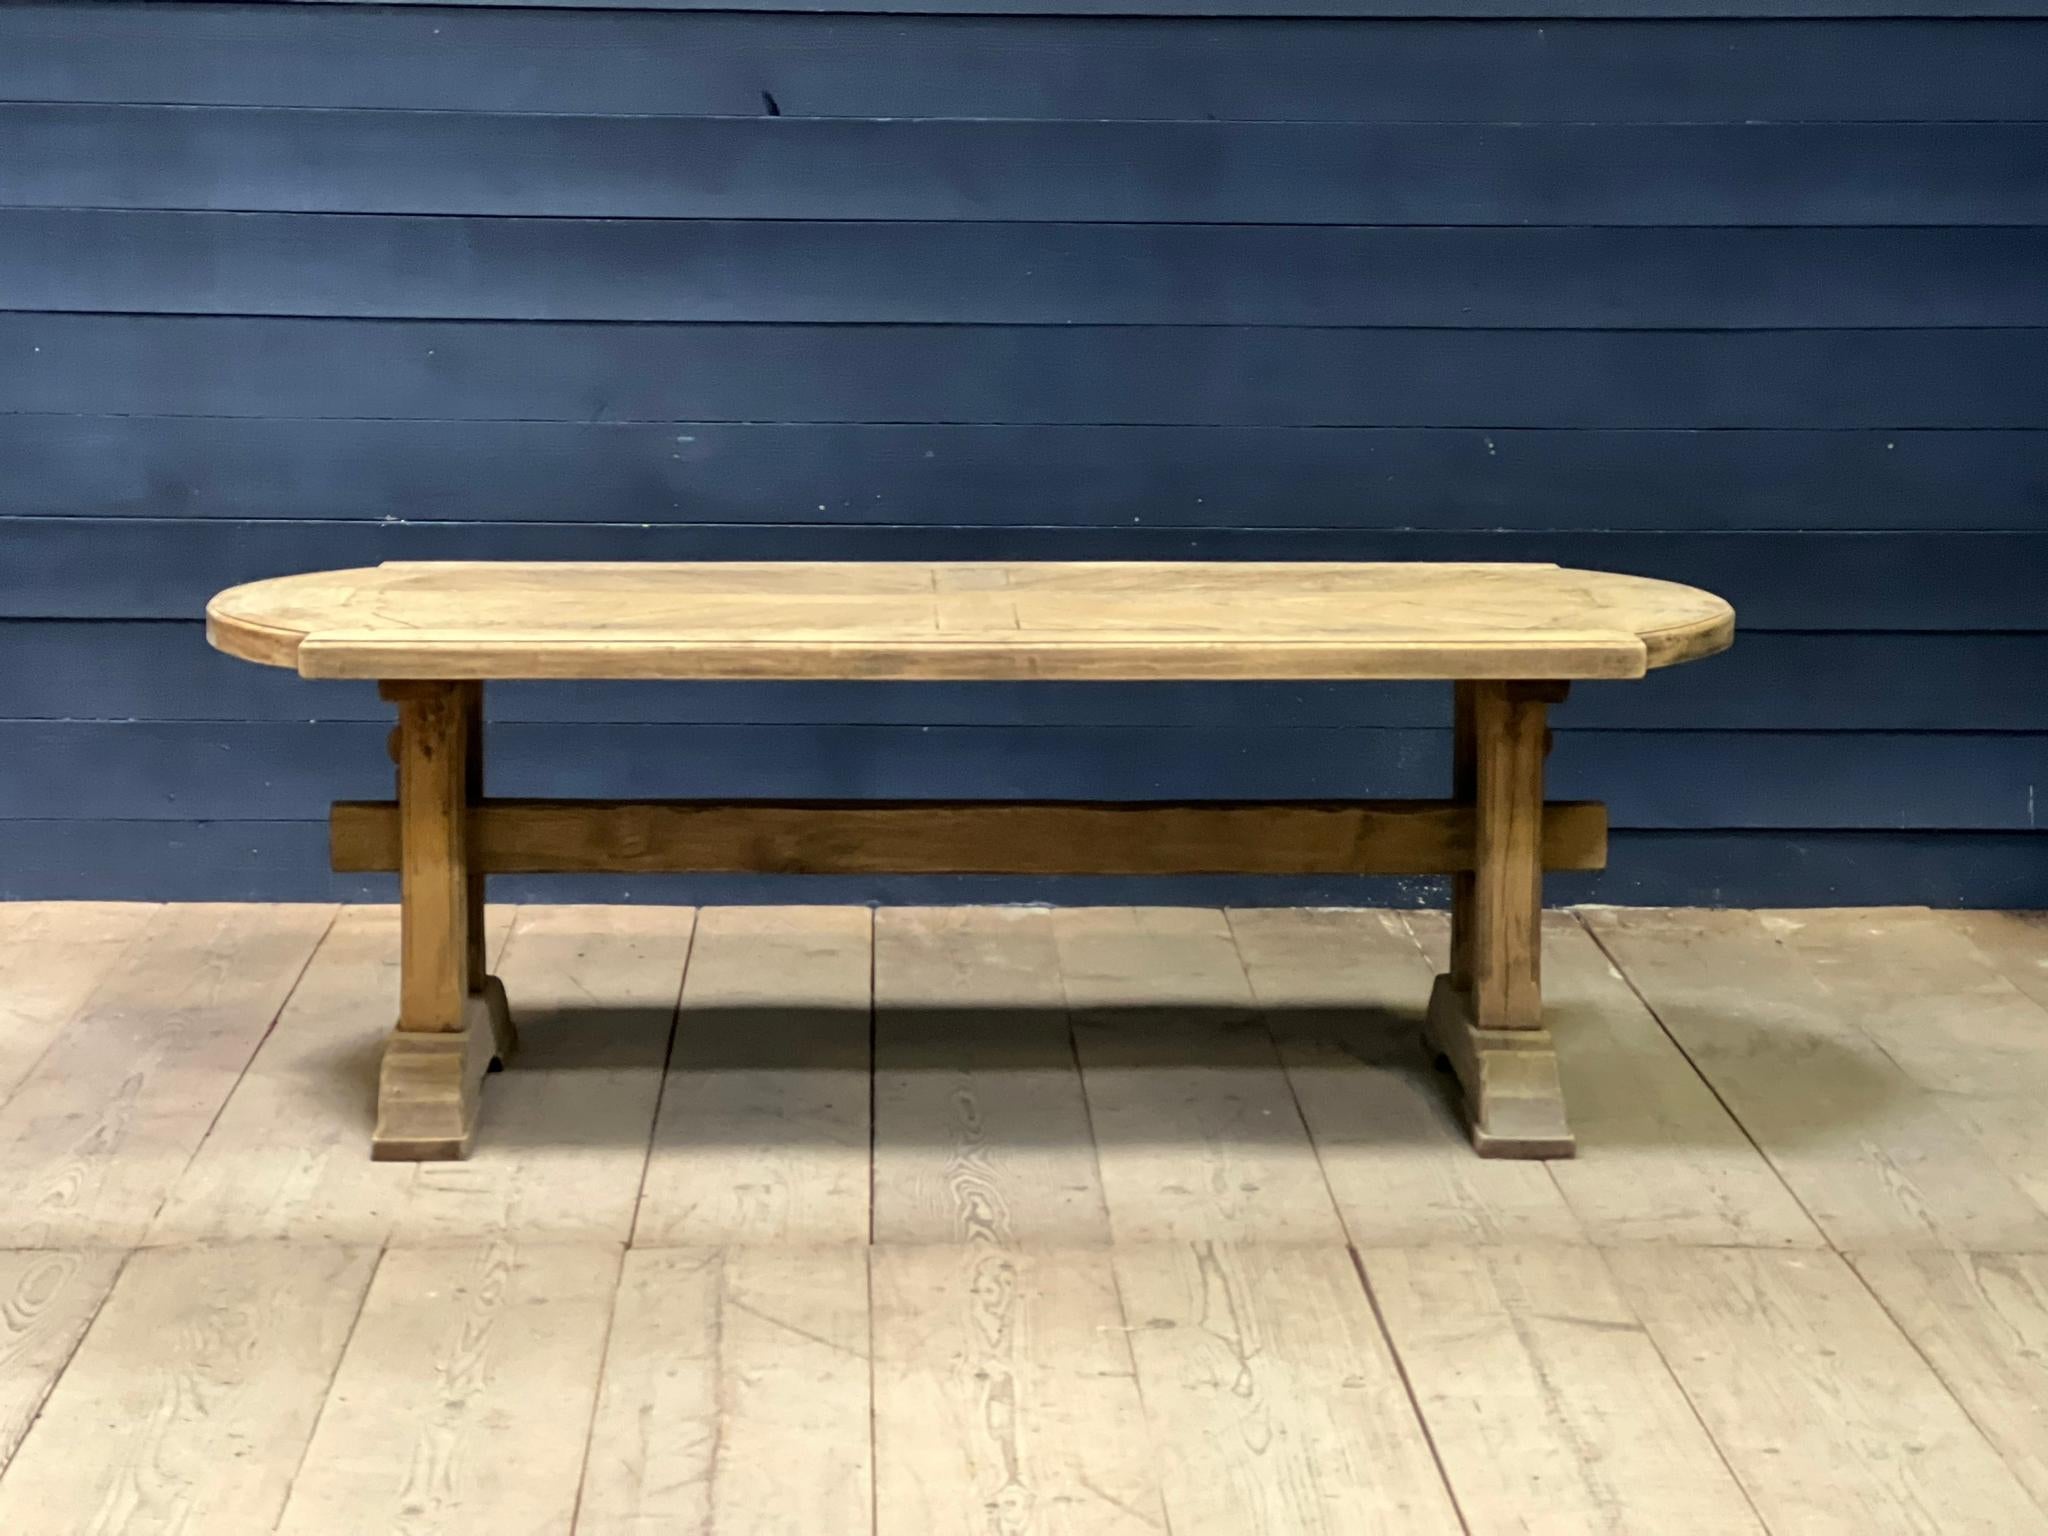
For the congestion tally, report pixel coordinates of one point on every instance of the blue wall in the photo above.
(1759, 304)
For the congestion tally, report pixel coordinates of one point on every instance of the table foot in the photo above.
(1514, 1102)
(428, 1085)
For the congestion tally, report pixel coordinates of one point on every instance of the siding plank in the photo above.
(1637, 284)
(647, 61)
(142, 568)
(370, 266)
(1536, 479)
(1646, 9)
(1162, 375)
(773, 167)
(1651, 779)
(68, 669)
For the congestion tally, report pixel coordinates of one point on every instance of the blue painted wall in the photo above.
(1743, 292)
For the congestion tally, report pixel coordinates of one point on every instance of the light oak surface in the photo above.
(1013, 1221)
(457, 619)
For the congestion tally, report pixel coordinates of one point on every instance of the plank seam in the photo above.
(1379, 1318)
(241, 1075)
(675, 1016)
(1614, 961)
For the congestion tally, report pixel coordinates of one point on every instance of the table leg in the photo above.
(1486, 1014)
(503, 1034)
(449, 1026)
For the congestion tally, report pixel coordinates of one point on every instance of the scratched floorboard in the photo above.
(1165, 1224)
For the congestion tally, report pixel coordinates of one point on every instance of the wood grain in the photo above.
(2015, 942)
(474, 619)
(47, 1299)
(1827, 1414)
(52, 957)
(1273, 1397)
(463, 1399)
(563, 1144)
(1981, 1320)
(981, 1123)
(433, 789)
(1197, 1132)
(1548, 1403)
(103, 1125)
(1878, 1157)
(1342, 992)
(735, 1396)
(763, 1133)
(285, 1157)
(1005, 1396)
(1250, 67)
(1505, 951)
(1950, 1015)
(1384, 837)
(1661, 1159)
(193, 1396)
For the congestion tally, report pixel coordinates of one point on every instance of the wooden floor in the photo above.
(998, 1221)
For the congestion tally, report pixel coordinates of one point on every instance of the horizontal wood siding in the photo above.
(1750, 295)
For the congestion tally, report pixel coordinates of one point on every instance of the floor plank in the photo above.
(53, 955)
(46, 1300)
(735, 1396)
(464, 1397)
(1951, 1018)
(2015, 942)
(1877, 1157)
(289, 1155)
(1272, 1395)
(562, 1145)
(763, 1134)
(190, 1402)
(1927, 995)
(1005, 1397)
(1197, 1131)
(1660, 1159)
(1829, 1416)
(981, 1125)
(1343, 992)
(1982, 1322)
(1549, 1405)
(104, 1124)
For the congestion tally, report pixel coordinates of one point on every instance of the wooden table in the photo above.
(1510, 638)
